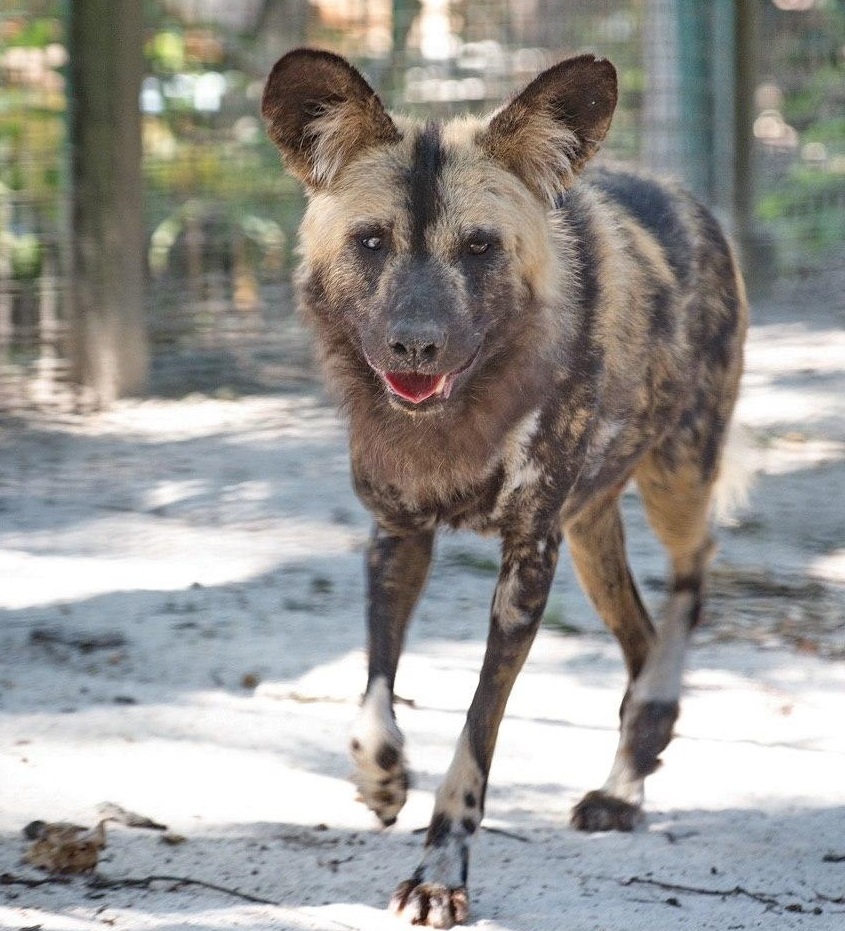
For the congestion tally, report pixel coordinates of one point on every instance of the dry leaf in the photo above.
(173, 839)
(60, 847)
(111, 812)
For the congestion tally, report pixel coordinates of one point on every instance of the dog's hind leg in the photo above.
(397, 567)
(597, 544)
(676, 491)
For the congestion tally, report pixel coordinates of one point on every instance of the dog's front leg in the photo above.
(396, 570)
(436, 894)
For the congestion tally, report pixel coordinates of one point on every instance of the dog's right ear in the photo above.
(321, 113)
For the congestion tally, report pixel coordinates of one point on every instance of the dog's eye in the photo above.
(477, 247)
(373, 243)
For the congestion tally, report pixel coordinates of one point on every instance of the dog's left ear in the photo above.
(322, 114)
(547, 133)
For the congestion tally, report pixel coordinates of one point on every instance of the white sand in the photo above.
(208, 541)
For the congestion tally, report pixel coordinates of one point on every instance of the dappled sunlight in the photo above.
(773, 406)
(248, 418)
(171, 492)
(12, 917)
(110, 555)
(151, 496)
(791, 369)
(192, 785)
(74, 578)
(208, 760)
(780, 707)
(775, 348)
(831, 565)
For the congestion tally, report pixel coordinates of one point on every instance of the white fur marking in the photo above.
(462, 776)
(622, 783)
(600, 442)
(444, 864)
(374, 727)
(509, 616)
(375, 723)
(520, 468)
(660, 680)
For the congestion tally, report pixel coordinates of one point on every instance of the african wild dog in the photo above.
(512, 342)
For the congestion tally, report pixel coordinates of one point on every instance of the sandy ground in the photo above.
(181, 635)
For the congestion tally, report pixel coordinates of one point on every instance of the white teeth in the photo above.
(441, 384)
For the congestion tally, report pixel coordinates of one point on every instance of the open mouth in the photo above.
(417, 387)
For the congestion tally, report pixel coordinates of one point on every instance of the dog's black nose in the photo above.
(416, 342)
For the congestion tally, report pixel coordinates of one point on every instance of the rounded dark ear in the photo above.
(547, 133)
(321, 113)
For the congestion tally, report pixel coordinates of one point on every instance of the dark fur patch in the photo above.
(587, 266)
(423, 179)
(470, 825)
(598, 811)
(651, 731)
(693, 585)
(439, 830)
(387, 756)
(650, 204)
(661, 319)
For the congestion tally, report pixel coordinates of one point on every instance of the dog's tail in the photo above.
(736, 475)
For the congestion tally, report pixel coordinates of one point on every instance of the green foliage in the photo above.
(829, 132)
(36, 33)
(821, 96)
(807, 209)
(165, 52)
(247, 184)
(26, 254)
(30, 148)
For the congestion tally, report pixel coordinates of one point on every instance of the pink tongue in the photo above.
(413, 387)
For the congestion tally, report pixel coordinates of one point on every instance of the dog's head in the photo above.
(427, 247)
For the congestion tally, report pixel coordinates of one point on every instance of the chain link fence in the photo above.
(221, 216)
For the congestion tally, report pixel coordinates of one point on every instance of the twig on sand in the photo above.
(770, 900)
(98, 881)
(144, 882)
(511, 834)
(30, 882)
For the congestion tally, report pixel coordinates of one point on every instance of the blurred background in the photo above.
(147, 232)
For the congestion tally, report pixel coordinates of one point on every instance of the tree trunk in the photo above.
(111, 354)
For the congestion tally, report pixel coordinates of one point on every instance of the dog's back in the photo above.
(663, 316)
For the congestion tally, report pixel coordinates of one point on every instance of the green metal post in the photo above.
(757, 249)
(694, 92)
(724, 90)
(746, 25)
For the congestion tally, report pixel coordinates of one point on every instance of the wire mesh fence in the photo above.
(221, 216)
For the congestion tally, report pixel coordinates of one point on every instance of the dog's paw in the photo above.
(431, 904)
(376, 745)
(599, 811)
(381, 778)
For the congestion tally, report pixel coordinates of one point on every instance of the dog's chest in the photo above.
(512, 487)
